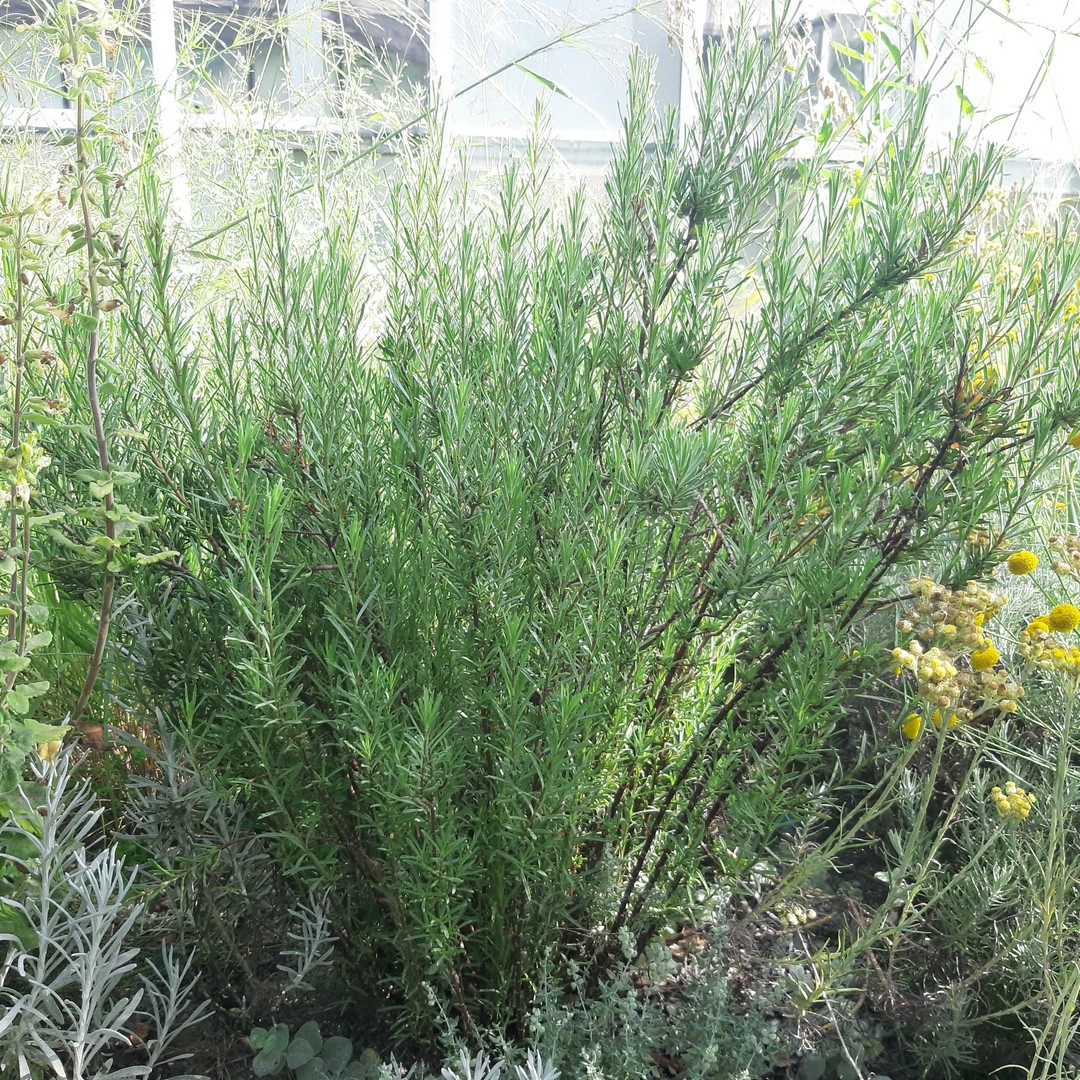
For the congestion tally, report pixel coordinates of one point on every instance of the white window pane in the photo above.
(581, 82)
(377, 53)
(231, 56)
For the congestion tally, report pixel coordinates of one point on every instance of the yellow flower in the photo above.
(953, 720)
(984, 659)
(1038, 625)
(1074, 440)
(1022, 562)
(1063, 618)
(1012, 804)
(912, 726)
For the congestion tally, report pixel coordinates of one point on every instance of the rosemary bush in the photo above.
(517, 555)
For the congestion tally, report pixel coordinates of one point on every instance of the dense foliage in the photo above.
(518, 566)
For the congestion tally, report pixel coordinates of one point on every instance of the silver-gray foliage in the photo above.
(482, 1067)
(312, 944)
(71, 988)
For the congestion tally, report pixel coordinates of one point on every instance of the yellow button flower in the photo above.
(1064, 617)
(1022, 562)
(984, 659)
(912, 726)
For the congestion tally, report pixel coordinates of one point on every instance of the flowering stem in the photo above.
(1054, 870)
(16, 426)
(94, 296)
(870, 935)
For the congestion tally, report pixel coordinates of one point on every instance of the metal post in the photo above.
(163, 51)
(304, 52)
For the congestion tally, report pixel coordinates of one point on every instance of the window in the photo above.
(27, 79)
(32, 85)
(570, 56)
(378, 52)
(230, 55)
(283, 59)
(834, 61)
(370, 62)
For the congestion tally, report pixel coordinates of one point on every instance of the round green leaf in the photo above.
(336, 1052)
(300, 1053)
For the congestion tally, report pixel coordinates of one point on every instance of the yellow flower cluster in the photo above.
(950, 622)
(1064, 618)
(992, 204)
(914, 722)
(1009, 273)
(1040, 644)
(934, 670)
(1012, 804)
(796, 915)
(1071, 314)
(953, 616)
(1065, 552)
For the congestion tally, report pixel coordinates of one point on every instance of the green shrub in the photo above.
(634, 1023)
(520, 560)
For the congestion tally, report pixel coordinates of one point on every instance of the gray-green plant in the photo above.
(310, 944)
(308, 1056)
(697, 1026)
(481, 1067)
(73, 986)
(216, 879)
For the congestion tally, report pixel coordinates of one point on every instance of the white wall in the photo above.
(471, 38)
(1033, 54)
